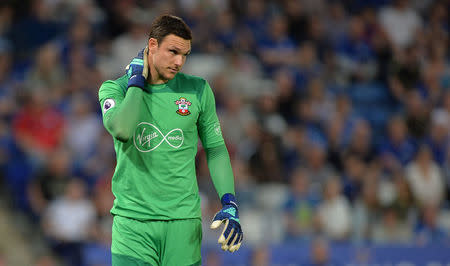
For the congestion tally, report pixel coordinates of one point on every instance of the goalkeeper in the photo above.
(156, 115)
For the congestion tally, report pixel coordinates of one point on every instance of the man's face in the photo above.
(168, 56)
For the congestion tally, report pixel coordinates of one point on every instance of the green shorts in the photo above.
(173, 242)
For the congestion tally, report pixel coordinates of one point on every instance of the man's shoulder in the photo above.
(191, 79)
(119, 84)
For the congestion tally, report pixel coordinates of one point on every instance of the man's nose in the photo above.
(178, 60)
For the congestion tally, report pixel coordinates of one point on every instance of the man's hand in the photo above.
(231, 237)
(137, 70)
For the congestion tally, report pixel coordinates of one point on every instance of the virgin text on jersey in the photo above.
(148, 137)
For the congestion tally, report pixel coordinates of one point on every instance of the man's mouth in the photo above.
(173, 70)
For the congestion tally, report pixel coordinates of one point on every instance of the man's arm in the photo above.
(216, 152)
(121, 120)
(120, 114)
(221, 173)
(220, 169)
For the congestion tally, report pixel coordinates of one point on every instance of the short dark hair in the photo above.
(169, 24)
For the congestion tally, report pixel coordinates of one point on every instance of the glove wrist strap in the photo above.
(136, 81)
(228, 199)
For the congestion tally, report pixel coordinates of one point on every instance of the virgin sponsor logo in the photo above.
(148, 137)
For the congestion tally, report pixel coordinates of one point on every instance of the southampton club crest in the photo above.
(183, 106)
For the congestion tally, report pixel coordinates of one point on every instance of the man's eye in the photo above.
(173, 51)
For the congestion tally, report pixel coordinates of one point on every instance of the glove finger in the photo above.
(238, 244)
(224, 232)
(225, 244)
(216, 224)
(233, 239)
(145, 70)
(217, 221)
(141, 53)
(230, 238)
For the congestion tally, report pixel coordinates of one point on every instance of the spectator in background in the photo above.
(47, 73)
(403, 203)
(103, 201)
(353, 176)
(334, 132)
(389, 229)
(295, 144)
(361, 144)
(260, 257)
(439, 137)
(366, 210)
(46, 260)
(268, 117)
(6, 18)
(417, 115)
(225, 31)
(276, 48)
(297, 20)
(265, 163)
(322, 102)
(67, 221)
(244, 183)
(446, 168)
(38, 127)
(401, 22)
(255, 18)
(316, 165)
(6, 64)
(79, 37)
(306, 65)
(436, 72)
(345, 112)
(300, 207)
(336, 21)
(317, 35)
(398, 149)
(83, 128)
(425, 178)
(319, 254)
(404, 75)
(35, 29)
(355, 54)
(238, 122)
(123, 47)
(286, 94)
(428, 230)
(50, 182)
(334, 211)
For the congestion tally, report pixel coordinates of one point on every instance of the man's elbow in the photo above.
(118, 132)
(122, 136)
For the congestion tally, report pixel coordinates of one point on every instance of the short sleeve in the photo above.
(209, 128)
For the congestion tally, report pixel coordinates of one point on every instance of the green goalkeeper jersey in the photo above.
(155, 176)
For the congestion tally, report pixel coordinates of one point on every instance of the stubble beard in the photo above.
(161, 75)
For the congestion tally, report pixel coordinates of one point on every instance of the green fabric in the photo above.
(220, 169)
(122, 260)
(155, 176)
(174, 242)
(121, 120)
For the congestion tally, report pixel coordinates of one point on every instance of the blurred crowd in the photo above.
(336, 115)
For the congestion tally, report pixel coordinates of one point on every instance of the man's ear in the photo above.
(152, 45)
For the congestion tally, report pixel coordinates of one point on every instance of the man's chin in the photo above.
(170, 76)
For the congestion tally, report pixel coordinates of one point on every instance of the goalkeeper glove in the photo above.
(231, 237)
(137, 70)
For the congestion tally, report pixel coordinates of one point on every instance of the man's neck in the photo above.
(154, 78)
